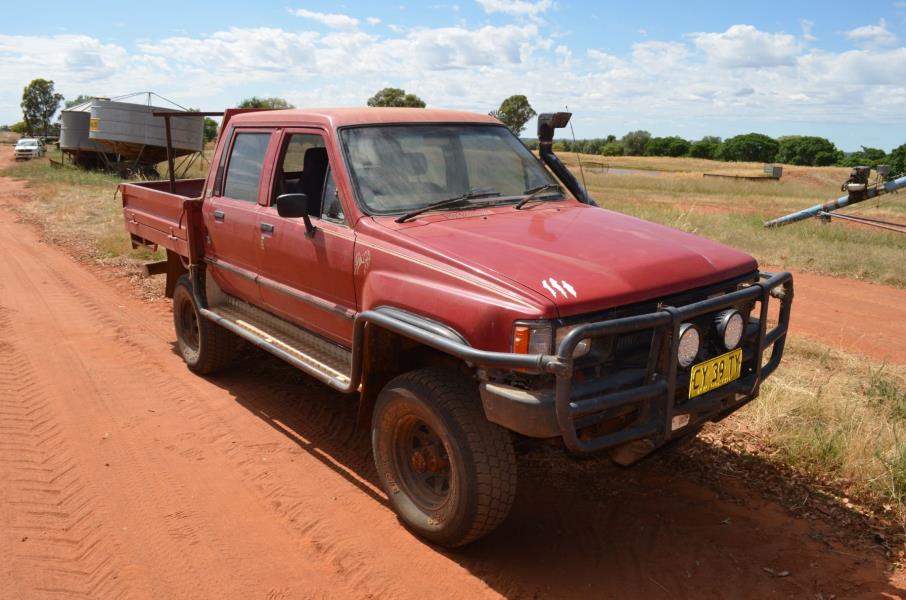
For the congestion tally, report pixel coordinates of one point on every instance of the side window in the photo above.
(243, 174)
(331, 209)
(303, 169)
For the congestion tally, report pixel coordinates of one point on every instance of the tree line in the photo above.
(803, 150)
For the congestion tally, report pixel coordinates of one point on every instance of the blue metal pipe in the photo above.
(814, 211)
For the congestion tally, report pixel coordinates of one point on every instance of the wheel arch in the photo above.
(387, 354)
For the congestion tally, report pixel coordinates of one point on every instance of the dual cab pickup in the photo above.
(468, 292)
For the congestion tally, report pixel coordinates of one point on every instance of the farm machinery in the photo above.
(859, 188)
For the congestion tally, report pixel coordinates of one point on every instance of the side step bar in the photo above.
(318, 357)
(335, 365)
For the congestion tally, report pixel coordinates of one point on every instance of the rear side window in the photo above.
(244, 168)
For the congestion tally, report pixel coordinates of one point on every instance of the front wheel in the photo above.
(449, 472)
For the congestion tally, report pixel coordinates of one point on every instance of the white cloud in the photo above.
(522, 8)
(604, 60)
(807, 27)
(705, 79)
(873, 36)
(373, 21)
(659, 56)
(332, 20)
(746, 46)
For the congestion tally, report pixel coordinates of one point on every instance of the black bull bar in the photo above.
(656, 397)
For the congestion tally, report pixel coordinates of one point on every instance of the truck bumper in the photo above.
(571, 410)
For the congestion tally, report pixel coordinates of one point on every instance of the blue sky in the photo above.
(687, 68)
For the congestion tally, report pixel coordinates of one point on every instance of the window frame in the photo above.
(342, 219)
(281, 146)
(265, 168)
(353, 180)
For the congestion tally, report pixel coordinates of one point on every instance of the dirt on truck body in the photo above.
(469, 294)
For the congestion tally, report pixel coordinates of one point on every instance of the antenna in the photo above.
(576, 149)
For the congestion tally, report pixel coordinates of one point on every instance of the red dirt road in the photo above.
(122, 475)
(855, 315)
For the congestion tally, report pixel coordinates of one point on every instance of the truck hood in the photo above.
(581, 258)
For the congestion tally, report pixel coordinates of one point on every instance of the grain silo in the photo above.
(126, 136)
(75, 141)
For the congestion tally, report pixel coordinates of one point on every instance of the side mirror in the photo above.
(294, 206)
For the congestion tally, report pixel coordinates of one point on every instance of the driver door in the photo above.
(308, 280)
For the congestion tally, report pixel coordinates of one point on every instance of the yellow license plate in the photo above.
(714, 373)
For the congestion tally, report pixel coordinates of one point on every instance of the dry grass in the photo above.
(674, 192)
(838, 417)
(664, 163)
(194, 169)
(8, 137)
(77, 208)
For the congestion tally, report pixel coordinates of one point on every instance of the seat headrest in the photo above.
(315, 159)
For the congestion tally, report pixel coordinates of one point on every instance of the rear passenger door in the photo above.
(304, 279)
(231, 213)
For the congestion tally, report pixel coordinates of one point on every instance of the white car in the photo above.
(29, 148)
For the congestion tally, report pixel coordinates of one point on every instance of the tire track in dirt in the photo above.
(330, 419)
(168, 484)
(63, 547)
(182, 528)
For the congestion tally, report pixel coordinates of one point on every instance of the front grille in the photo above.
(655, 391)
(631, 349)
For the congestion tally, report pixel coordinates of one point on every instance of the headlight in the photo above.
(690, 341)
(730, 326)
(581, 348)
(532, 338)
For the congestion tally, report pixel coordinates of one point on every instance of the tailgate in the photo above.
(155, 217)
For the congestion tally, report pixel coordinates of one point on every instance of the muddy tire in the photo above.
(205, 346)
(450, 474)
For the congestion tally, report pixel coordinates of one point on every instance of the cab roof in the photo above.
(341, 117)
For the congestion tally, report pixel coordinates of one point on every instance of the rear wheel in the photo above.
(449, 472)
(205, 346)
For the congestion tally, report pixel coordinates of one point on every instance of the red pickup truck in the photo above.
(468, 292)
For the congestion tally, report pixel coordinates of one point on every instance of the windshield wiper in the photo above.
(535, 192)
(461, 199)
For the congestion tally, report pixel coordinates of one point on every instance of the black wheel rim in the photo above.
(422, 463)
(187, 321)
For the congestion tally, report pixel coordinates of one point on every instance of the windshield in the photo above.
(27, 143)
(400, 168)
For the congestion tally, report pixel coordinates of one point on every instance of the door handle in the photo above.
(219, 216)
(267, 228)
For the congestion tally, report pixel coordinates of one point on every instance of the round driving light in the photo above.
(730, 327)
(690, 341)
